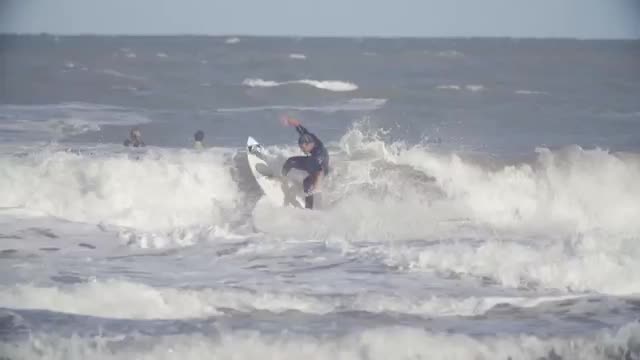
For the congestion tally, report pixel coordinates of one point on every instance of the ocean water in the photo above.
(483, 203)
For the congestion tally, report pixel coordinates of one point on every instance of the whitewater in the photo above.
(469, 213)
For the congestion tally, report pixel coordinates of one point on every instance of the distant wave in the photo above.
(297, 56)
(329, 85)
(260, 83)
(128, 53)
(338, 86)
(162, 55)
(474, 88)
(232, 40)
(450, 54)
(118, 74)
(71, 66)
(470, 87)
(448, 87)
(530, 92)
(135, 90)
(359, 104)
(38, 122)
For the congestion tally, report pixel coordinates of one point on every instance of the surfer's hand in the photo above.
(289, 121)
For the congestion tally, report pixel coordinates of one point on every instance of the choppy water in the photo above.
(483, 202)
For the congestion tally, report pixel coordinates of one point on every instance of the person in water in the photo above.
(315, 162)
(135, 138)
(198, 137)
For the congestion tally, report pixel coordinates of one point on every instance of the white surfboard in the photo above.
(278, 189)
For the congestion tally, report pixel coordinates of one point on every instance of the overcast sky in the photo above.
(428, 18)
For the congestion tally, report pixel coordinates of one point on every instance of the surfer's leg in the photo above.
(306, 185)
(304, 163)
(296, 162)
(308, 202)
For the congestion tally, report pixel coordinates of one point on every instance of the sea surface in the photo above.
(483, 200)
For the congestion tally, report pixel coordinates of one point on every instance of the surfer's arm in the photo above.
(289, 121)
(302, 130)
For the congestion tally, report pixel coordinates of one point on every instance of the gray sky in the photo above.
(429, 18)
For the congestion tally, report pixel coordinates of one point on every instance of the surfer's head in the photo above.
(306, 143)
(199, 135)
(135, 134)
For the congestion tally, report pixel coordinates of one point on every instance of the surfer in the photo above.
(135, 138)
(198, 137)
(315, 162)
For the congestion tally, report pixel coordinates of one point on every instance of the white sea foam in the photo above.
(159, 190)
(390, 342)
(469, 87)
(531, 92)
(123, 299)
(297, 56)
(449, 87)
(337, 86)
(260, 83)
(474, 88)
(450, 54)
(562, 222)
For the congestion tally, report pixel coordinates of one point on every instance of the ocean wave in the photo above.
(582, 189)
(297, 56)
(560, 222)
(470, 87)
(449, 87)
(474, 88)
(531, 92)
(261, 83)
(450, 54)
(337, 86)
(123, 299)
(119, 74)
(161, 189)
(127, 52)
(386, 342)
(358, 104)
(585, 190)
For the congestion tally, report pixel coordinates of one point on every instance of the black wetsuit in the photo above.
(134, 143)
(317, 161)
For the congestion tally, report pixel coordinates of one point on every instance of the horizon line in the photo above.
(389, 37)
